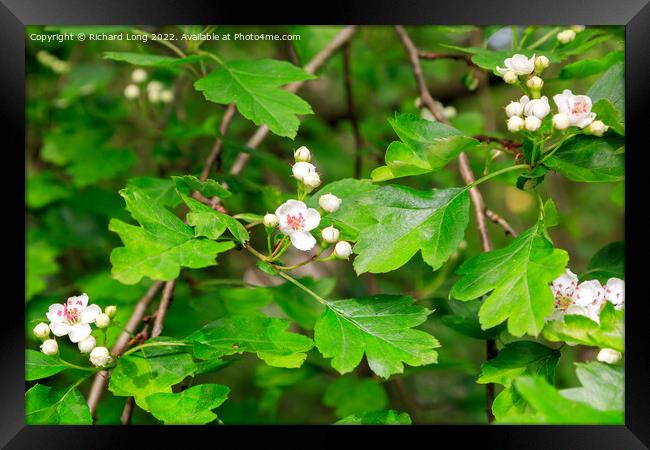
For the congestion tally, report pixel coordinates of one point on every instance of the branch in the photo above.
(352, 114)
(508, 145)
(165, 301)
(311, 67)
(432, 56)
(218, 143)
(497, 219)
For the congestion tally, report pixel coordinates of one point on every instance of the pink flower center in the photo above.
(71, 314)
(579, 108)
(297, 222)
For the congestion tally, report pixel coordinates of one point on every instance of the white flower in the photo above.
(102, 320)
(41, 331)
(561, 121)
(330, 234)
(615, 291)
(87, 345)
(519, 64)
(296, 221)
(311, 180)
(110, 311)
(166, 96)
(510, 77)
(343, 250)
(566, 36)
(131, 91)
(270, 220)
(73, 318)
(538, 107)
(535, 83)
(301, 169)
(532, 123)
(576, 107)
(589, 293)
(302, 154)
(576, 310)
(597, 128)
(541, 63)
(50, 347)
(609, 356)
(514, 109)
(139, 75)
(329, 202)
(100, 356)
(515, 123)
(565, 285)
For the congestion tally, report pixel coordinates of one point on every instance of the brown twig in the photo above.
(432, 56)
(228, 114)
(352, 114)
(503, 223)
(163, 307)
(508, 145)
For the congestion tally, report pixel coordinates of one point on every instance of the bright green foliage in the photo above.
(211, 223)
(588, 67)
(611, 86)
(161, 246)
(389, 417)
(608, 262)
(39, 365)
(518, 276)
(602, 386)
(161, 190)
(44, 188)
(582, 330)
(520, 358)
(54, 406)
(151, 60)
(209, 188)
(265, 336)
(590, 159)
(425, 146)
(607, 113)
(349, 395)
(379, 326)
(254, 86)
(39, 263)
(192, 406)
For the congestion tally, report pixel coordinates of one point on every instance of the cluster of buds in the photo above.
(520, 67)
(585, 299)
(156, 92)
(73, 319)
(569, 34)
(294, 219)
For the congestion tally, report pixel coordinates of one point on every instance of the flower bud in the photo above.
(102, 320)
(561, 121)
(271, 220)
(110, 311)
(329, 202)
(343, 250)
(100, 356)
(515, 123)
(532, 123)
(510, 77)
(166, 96)
(426, 114)
(302, 154)
(42, 331)
(87, 345)
(566, 36)
(138, 75)
(609, 356)
(131, 91)
(449, 112)
(301, 169)
(154, 89)
(578, 28)
(50, 347)
(541, 63)
(330, 234)
(311, 180)
(535, 83)
(597, 128)
(514, 109)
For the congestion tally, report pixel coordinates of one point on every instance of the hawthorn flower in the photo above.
(538, 107)
(110, 311)
(50, 347)
(576, 107)
(302, 154)
(73, 318)
(535, 83)
(100, 357)
(311, 180)
(296, 221)
(589, 293)
(342, 250)
(102, 320)
(615, 292)
(597, 128)
(87, 345)
(532, 123)
(589, 312)
(41, 331)
(270, 220)
(566, 36)
(330, 234)
(565, 285)
(131, 91)
(561, 121)
(301, 169)
(519, 64)
(515, 123)
(510, 77)
(609, 356)
(514, 109)
(329, 202)
(138, 75)
(541, 63)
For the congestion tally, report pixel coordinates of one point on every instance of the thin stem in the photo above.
(164, 42)
(497, 173)
(74, 366)
(303, 287)
(544, 38)
(156, 344)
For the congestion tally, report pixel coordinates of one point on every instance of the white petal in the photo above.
(79, 302)
(89, 314)
(290, 207)
(59, 329)
(55, 313)
(584, 121)
(303, 240)
(312, 219)
(502, 70)
(79, 332)
(562, 103)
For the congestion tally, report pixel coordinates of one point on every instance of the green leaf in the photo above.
(265, 336)
(408, 221)
(602, 386)
(161, 246)
(611, 86)
(192, 406)
(608, 262)
(39, 365)
(255, 88)
(520, 358)
(425, 147)
(44, 188)
(389, 417)
(211, 223)
(584, 331)
(590, 159)
(45, 405)
(587, 67)
(209, 187)
(161, 190)
(518, 276)
(607, 113)
(509, 403)
(151, 60)
(150, 370)
(40, 262)
(381, 326)
(349, 395)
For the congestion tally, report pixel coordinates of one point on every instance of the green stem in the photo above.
(497, 173)
(303, 287)
(544, 38)
(74, 366)
(515, 38)
(554, 147)
(211, 56)
(282, 248)
(156, 344)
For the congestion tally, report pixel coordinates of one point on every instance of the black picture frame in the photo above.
(633, 14)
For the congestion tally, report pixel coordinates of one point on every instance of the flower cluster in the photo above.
(156, 93)
(295, 220)
(585, 299)
(73, 319)
(568, 35)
